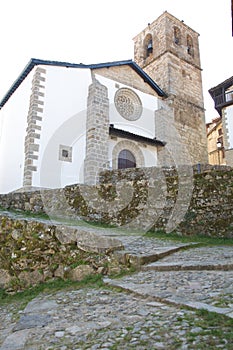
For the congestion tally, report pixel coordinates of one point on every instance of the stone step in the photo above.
(199, 258)
(207, 290)
(137, 260)
(192, 265)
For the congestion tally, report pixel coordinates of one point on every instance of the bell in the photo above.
(149, 48)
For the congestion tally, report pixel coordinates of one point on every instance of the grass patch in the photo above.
(161, 234)
(23, 297)
(123, 272)
(20, 214)
(213, 326)
(214, 318)
(25, 214)
(174, 236)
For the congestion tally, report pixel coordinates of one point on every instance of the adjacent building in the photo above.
(222, 95)
(216, 150)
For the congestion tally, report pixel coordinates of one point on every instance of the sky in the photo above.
(92, 31)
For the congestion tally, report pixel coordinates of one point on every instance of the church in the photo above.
(63, 123)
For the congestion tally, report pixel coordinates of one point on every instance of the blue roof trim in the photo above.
(35, 62)
(32, 63)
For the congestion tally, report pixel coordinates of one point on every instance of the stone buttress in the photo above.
(97, 132)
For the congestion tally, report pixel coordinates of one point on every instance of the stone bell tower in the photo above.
(168, 50)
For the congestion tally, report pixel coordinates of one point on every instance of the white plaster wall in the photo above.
(150, 155)
(13, 123)
(64, 123)
(145, 125)
(229, 124)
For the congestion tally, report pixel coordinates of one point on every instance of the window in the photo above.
(220, 141)
(177, 36)
(190, 49)
(223, 152)
(229, 96)
(65, 153)
(148, 45)
(126, 159)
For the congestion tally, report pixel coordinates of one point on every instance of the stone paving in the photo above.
(148, 311)
(201, 278)
(214, 258)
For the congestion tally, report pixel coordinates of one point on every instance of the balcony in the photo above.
(222, 94)
(223, 100)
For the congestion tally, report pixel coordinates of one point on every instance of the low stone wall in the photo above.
(35, 251)
(189, 201)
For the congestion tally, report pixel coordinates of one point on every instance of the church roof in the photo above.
(35, 62)
(131, 136)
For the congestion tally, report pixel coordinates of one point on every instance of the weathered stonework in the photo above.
(225, 130)
(226, 143)
(97, 134)
(34, 117)
(207, 204)
(229, 156)
(174, 64)
(33, 251)
(127, 76)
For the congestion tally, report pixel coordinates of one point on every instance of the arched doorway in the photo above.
(126, 159)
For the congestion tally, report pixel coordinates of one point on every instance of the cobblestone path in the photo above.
(148, 310)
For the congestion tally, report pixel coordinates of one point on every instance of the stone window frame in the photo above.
(148, 40)
(130, 146)
(65, 153)
(190, 48)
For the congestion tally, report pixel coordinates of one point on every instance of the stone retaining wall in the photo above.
(189, 201)
(33, 251)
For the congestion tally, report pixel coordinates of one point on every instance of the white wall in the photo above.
(150, 155)
(229, 124)
(13, 123)
(64, 122)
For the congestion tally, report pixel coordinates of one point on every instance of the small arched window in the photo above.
(177, 36)
(148, 45)
(190, 49)
(126, 159)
